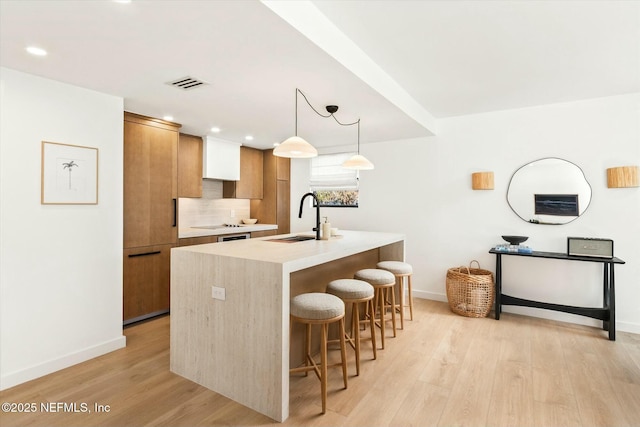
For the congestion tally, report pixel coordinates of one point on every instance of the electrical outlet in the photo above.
(233, 213)
(218, 293)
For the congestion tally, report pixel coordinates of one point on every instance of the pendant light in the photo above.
(295, 147)
(358, 161)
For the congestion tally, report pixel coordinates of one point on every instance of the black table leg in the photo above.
(612, 305)
(605, 295)
(498, 308)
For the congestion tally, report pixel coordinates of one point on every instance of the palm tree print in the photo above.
(70, 165)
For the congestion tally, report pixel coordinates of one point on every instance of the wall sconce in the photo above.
(622, 177)
(482, 180)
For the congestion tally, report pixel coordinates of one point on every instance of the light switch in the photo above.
(218, 293)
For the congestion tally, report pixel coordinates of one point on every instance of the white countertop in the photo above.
(244, 228)
(298, 255)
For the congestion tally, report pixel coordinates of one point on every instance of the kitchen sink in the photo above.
(292, 239)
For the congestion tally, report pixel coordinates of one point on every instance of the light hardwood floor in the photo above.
(442, 370)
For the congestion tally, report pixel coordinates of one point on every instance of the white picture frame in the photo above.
(69, 174)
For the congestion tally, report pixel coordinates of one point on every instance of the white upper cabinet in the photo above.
(221, 159)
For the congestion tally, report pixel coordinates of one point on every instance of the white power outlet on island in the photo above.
(218, 293)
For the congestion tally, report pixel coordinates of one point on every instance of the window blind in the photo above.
(327, 173)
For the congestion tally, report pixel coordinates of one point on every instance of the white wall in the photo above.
(422, 188)
(60, 265)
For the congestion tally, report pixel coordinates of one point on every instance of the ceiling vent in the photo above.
(187, 83)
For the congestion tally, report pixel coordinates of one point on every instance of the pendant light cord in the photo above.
(326, 117)
(296, 132)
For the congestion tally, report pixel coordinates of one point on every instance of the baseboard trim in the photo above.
(621, 326)
(429, 295)
(13, 379)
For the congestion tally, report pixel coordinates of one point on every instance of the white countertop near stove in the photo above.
(187, 232)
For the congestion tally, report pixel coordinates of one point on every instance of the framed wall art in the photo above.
(69, 174)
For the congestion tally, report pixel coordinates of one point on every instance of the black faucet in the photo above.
(317, 206)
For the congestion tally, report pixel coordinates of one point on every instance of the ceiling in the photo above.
(399, 66)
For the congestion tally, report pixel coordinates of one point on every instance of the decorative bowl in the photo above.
(515, 240)
(249, 221)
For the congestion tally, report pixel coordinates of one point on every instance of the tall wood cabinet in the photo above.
(150, 214)
(275, 205)
(250, 185)
(190, 150)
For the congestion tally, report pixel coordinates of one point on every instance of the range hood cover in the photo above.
(221, 159)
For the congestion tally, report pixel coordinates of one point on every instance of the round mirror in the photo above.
(549, 191)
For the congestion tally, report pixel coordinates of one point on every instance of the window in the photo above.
(333, 185)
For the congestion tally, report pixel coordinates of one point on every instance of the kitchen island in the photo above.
(230, 308)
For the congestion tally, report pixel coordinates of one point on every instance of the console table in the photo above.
(608, 311)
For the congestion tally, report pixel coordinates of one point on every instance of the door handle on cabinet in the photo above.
(144, 254)
(175, 212)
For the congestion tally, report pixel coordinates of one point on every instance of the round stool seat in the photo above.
(316, 306)
(396, 267)
(350, 289)
(375, 276)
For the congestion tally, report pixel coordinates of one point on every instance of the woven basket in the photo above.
(470, 291)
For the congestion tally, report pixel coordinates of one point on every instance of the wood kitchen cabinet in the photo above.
(150, 214)
(146, 274)
(275, 205)
(150, 181)
(188, 241)
(189, 166)
(250, 185)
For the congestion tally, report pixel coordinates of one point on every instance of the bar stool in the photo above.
(322, 309)
(356, 292)
(383, 282)
(401, 270)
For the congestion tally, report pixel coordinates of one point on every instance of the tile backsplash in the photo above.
(211, 209)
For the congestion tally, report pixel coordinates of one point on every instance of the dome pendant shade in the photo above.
(358, 162)
(295, 147)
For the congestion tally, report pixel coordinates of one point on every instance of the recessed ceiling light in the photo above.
(215, 129)
(122, 1)
(168, 118)
(36, 51)
(248, 138)
(275, 144)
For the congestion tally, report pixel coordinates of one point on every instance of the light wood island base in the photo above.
(239, 346)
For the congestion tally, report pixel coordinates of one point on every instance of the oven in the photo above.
(229, 237)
